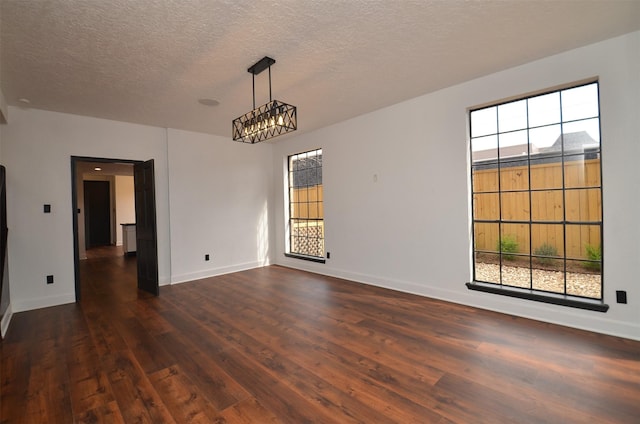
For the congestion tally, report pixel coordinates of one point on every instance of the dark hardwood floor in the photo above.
(275, 345)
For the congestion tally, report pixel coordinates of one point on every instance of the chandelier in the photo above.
(267, 121)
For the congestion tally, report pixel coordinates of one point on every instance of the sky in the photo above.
(579, 112)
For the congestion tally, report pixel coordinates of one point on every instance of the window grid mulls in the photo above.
(306, 214)
(537, 193)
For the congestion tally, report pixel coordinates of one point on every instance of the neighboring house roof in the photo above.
(574, 143)
(505, 152)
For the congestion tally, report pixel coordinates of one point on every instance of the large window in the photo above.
(306, 215)
(537, 193)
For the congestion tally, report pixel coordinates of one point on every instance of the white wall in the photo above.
(5, 304)
(410, 230)
(220, 193)
(3, 109)
(37, 147)
(125, 203)
(3, 103)
(82, 248)
(221, 196)
(5, 294)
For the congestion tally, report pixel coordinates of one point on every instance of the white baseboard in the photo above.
(43, 302)
(177, 279)
(562, 315)
(6, 319)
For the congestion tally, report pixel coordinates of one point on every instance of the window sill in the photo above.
(555, 299)
(305, 258)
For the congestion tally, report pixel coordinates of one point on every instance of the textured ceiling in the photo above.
(149, 61)
(106, 168)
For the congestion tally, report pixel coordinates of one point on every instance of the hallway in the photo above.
(108, 278)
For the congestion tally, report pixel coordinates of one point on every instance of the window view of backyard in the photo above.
(537, 193)
(306, 215)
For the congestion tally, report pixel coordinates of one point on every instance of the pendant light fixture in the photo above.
(267, 121)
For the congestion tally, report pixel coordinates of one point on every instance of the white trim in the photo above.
(43, 302)
(6, 319)
(4, 109)
(564, 316)
(164, 281)
(184, 278)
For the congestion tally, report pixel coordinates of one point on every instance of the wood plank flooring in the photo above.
(275, 345)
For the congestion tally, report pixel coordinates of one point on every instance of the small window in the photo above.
(306, 214)
(537, 193)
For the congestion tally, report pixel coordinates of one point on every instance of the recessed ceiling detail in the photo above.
(208, 102)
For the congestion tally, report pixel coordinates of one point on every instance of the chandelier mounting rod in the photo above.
(258, 67)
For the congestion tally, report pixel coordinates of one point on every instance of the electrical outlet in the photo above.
(621, 296)
(47, 208)
(49, 279)
(206, 257)
(328, 255)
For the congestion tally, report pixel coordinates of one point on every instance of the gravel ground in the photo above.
(578, 284)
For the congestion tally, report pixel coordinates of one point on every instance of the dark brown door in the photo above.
(97, 213)
(146, 240)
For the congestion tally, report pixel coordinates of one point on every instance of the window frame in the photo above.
(289, 186)
(564, 157)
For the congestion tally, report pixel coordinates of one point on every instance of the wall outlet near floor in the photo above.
(621, 296)
(49, 279)
(206, 257)
(328, 255)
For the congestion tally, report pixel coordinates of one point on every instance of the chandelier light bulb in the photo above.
(267, 121)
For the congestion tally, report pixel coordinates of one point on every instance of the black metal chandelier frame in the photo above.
(267, 121)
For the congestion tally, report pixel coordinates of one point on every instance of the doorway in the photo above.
(109, 174)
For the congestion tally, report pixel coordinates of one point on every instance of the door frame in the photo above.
(74, 208)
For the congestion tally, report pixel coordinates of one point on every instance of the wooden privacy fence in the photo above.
(306, 202)
(580, 204)
(307, 226)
